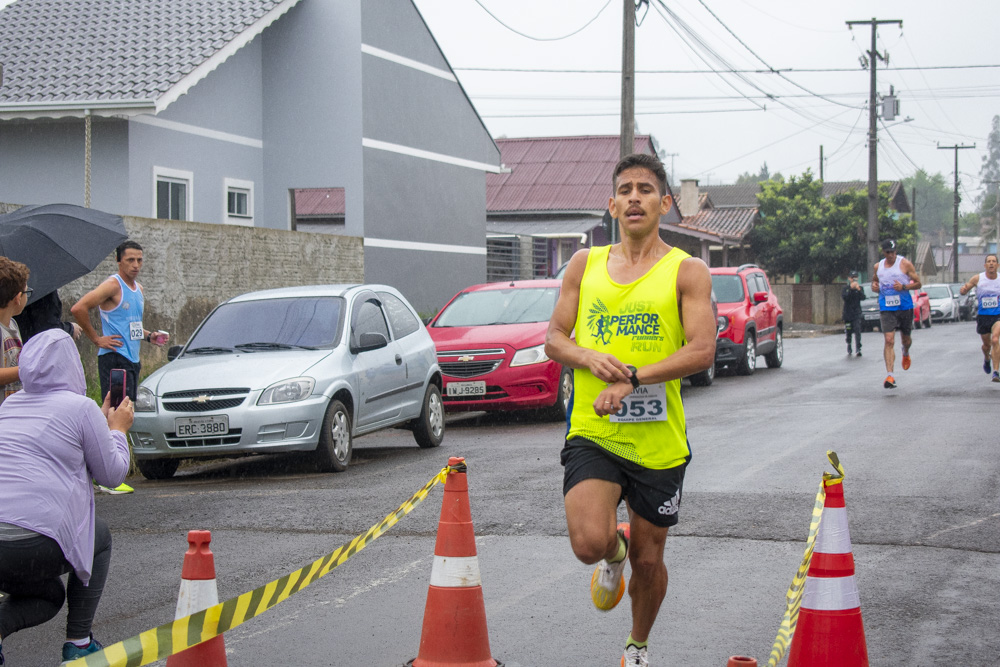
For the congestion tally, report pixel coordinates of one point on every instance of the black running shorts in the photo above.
(893, 320)
(655, 495)
(984, 324)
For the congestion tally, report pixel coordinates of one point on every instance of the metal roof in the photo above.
(556, 173)
(746, 194)
(732, 222)
(319, 202)
(544, 228)
(118, 56)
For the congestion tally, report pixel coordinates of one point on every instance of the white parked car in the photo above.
(945, 304)
(294, 369)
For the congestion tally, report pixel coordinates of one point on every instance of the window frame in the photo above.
(239, 185)
(169, 175)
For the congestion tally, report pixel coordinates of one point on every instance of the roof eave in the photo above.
(75, 109)
(208, 66)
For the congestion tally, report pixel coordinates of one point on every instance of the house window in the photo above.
(239, 202)
(172, 193)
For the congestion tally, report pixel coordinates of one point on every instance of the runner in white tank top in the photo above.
(987, 286)
(892, 279)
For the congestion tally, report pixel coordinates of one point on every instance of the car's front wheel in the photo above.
(333, 453)
(157, 468)
(777, 355)
(429, 429)
(748, 362)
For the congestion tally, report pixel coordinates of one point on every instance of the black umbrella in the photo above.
(58, 242)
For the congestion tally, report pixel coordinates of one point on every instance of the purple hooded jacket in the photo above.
(53, 441)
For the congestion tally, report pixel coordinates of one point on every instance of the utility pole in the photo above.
(821, 162)
(628, 89)
(671, 156)
(873, 57)
(628, 80)
(954, 246)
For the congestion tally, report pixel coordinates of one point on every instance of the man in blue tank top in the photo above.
(893, 278)
(120, 302)
(987, 286)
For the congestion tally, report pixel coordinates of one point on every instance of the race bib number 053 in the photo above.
(647, 403)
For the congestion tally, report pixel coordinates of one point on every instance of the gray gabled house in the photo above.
(217, 111)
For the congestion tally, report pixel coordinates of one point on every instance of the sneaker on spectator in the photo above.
(71, 651)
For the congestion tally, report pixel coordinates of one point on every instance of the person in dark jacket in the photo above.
(853, 295)
(43, 314)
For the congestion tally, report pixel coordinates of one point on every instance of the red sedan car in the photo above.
(490, 342)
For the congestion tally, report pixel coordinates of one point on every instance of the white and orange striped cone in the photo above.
(830, 632)
(198, 592)
(454, 631)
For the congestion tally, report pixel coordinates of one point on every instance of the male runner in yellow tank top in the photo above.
(643, 318)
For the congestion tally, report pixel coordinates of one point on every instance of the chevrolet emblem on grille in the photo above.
(466, 357)
(204, 398)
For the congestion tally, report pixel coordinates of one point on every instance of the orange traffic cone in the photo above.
(829, 630)
(198, 592)
(454, 632)
(741, 661)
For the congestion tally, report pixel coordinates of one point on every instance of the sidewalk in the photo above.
(809, 330)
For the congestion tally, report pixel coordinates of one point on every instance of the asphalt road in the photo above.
(922, 500)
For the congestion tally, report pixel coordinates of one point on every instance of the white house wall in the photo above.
(426, 152)
(214, 133)
(311, 65)
(42, 162)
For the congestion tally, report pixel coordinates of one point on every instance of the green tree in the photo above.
(932, 205)
(746, 178)
(820, 239)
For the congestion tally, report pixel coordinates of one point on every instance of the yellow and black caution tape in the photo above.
(183, 633)
(794, 595)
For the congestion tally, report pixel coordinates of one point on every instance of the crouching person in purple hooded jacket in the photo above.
(53, 441)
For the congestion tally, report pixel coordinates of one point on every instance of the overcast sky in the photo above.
(715, 123)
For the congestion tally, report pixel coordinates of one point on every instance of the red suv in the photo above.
(750, 319)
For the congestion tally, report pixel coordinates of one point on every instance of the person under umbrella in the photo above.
(43, 314)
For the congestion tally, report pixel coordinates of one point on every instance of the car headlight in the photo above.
(287, 391)
(529, 355)
(721, 323)
(145, 401)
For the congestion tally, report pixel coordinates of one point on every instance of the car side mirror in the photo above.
(370, 341)
(174, 351)
(922, 294)
(759, 297)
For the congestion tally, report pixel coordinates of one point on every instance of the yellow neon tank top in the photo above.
(639, 323)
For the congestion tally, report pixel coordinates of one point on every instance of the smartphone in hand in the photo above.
(118, 389)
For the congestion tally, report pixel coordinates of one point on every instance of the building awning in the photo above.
(544, 228)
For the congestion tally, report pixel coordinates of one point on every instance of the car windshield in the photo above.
(938, 292)
(270, 324)
(869, 292)
(499, 306)
(728, 288)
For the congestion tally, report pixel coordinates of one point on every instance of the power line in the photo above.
(617, 113)
(754, 53)
(776, 70)
(542, 39)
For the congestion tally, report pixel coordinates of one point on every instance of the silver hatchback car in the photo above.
(287, 370)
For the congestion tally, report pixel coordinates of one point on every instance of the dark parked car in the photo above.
(968, 307)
